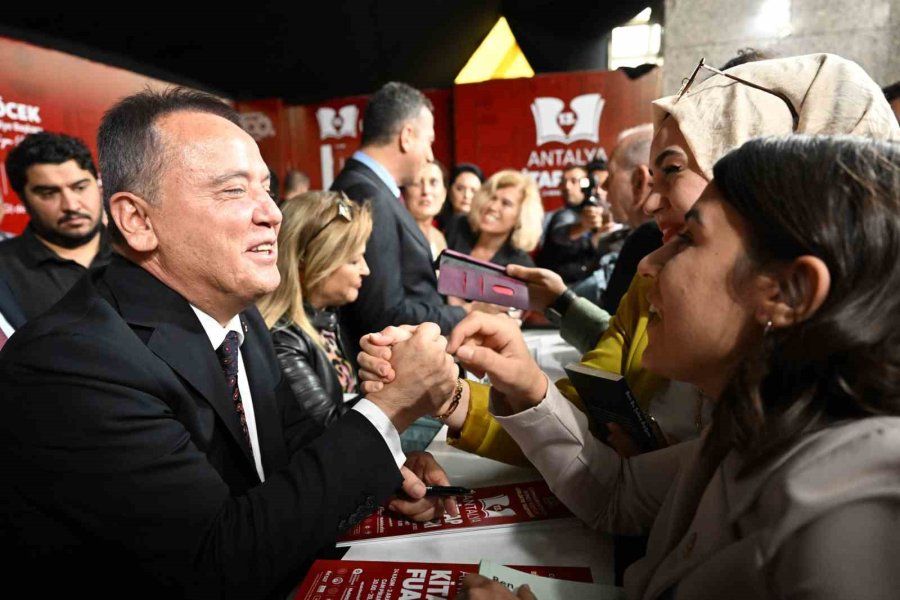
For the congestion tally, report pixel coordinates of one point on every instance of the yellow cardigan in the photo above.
(619, 350)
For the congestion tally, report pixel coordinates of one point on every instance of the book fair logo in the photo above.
(555, 122)
(562, 125)
(258, 125)
(496, 506)
(338, 123)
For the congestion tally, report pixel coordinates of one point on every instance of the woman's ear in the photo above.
(131, 215)
(794, 293)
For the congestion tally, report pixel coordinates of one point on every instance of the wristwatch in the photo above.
(556, 311)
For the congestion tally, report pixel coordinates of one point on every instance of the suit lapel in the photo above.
(177, 337)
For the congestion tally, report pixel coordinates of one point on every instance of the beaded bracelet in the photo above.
(457, 395)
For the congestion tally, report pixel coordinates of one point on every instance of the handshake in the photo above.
(409, 371)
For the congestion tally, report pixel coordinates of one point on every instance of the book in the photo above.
(377, 580)
(494, 506)
(548, 588)
(609, 400)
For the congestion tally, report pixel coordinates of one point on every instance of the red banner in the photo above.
(45, 90)
(541, 124)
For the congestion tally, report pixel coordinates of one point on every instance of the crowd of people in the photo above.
(204, 388)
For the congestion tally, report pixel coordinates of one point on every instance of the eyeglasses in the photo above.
(686, 85)
(343, 212)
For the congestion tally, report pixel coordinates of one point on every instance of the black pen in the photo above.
(447, 490)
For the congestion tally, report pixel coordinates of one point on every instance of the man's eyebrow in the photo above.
(666, 154)
(693, 215)
(226, 177)
(79, 182)
(42, 189)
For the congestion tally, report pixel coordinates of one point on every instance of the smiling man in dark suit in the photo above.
(402, 289)
(149, 445)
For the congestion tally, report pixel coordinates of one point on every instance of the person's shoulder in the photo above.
(871, 444)
(81, 337)
(847, 462)
(358, 182)
(10, 247)
(289, 335)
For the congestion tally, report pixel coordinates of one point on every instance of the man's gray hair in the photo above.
(388, 109)
(132, 155)
(633, 147)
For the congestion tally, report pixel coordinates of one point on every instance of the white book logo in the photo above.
(258, 125)
(497, 506)
(552, 120)
(337, 123)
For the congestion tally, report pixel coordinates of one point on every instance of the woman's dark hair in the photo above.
(461, 168)
(446, 215)
(838, 199)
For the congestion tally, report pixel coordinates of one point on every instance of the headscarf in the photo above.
(831, 94)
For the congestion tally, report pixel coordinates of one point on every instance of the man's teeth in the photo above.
(267, 248)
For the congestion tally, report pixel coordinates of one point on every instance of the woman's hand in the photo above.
(476, 587)
(544, 286)
(494, 345)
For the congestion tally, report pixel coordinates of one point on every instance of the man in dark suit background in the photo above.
(149, 445)
(402, 289)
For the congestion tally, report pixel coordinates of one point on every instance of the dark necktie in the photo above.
(228, 357)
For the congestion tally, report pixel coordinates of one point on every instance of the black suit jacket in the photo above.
(124, 462)
(402, 288)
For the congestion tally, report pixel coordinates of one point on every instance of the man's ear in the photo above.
(641, 184)
(407, 136)
(794, 293)
(131, 215)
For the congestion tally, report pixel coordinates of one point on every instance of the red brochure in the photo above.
(374, 580)
(496, 506)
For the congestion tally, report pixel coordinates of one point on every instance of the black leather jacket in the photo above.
(307, 368)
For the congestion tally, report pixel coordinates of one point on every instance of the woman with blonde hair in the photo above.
(320, 257)
(504, 224)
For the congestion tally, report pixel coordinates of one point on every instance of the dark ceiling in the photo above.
(305, 52)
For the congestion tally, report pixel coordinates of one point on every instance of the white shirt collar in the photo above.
(215, 332)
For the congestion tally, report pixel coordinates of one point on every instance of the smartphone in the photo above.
(473, 279)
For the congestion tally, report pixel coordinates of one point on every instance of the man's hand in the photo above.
(494, 345)
(374, 360)
(425, 376)
(420, 470)
(544, 286)
(477, 587)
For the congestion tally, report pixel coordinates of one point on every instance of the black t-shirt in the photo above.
(38, 276)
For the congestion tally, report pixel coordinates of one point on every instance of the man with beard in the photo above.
(56, 180)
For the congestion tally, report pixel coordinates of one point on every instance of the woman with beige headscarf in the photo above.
(828, 95)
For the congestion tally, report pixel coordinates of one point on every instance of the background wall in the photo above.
(865, 31)
(61, 93)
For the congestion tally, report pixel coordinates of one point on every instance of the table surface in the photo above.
(565, 542)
